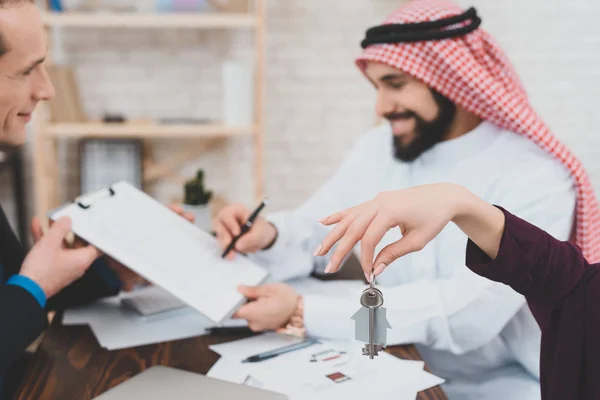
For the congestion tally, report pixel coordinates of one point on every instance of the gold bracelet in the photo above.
(295, 325)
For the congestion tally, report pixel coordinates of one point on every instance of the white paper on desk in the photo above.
(334, 370)
(362, 390)
(167, 250)
(152, 300)
(84, 315)
(228, 369)
(427, 381)
(109, 309)
(303, 374)
(243, 348)
(117, 327)
(181, 324)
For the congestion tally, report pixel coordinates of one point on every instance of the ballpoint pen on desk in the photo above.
(230, 330)
(274, 353)
(245, 228)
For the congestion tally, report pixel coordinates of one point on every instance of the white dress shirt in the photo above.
(477, 334)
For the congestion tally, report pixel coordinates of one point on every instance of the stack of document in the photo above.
(147, 316)
(324, 370)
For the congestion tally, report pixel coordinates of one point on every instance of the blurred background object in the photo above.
(317, 103)
(185, 129)
(106, 161)
(196, 201)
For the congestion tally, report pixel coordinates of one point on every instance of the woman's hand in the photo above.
(420, 213)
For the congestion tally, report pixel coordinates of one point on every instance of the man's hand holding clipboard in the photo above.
(157, 244)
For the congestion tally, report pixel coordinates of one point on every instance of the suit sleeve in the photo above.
(99, 281)
(22, 320)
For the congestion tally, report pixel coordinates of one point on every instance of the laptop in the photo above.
(160, 383)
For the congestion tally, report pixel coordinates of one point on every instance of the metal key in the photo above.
(372, 299)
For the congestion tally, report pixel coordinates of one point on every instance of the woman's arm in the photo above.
(420, 213)
(480, 221)
(531, 261)
(502, 247)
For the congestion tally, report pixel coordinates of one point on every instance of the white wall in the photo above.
(555, 46)
(317, 101)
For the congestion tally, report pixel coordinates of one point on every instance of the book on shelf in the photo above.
(54, 5)
(232, 6)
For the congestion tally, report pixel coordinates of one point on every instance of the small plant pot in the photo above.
(202, 215)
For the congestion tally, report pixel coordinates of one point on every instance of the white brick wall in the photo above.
(555, 46)
(317, 101)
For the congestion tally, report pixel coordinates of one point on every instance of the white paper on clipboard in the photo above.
(150, 239)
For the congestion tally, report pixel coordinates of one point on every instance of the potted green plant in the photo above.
(196, 200)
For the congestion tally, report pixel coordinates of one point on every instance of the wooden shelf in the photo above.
(138, 20)
(46, 165)
(141, 130)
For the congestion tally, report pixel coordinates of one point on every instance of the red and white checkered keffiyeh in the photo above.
(473, 72)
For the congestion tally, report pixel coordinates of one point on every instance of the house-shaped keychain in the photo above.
(361, 326)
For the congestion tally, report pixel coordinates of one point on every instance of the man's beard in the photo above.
(427, 134)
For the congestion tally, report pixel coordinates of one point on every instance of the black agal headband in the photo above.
(423, 31)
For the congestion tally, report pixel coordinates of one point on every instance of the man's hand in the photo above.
(50, 263)
(176, 208)
(130, 279)
(228, 224)
(270, 307)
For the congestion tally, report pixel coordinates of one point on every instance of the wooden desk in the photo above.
(69, 363)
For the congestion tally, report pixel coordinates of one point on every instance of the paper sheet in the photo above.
(117, 327)
(228, 369)
(330, 369)
(426, 381)
(152, 300)
(167, 250)
(84, 315)
(181, 325)
(241, 349)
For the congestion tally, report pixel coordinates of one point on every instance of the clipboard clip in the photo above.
(111, 193)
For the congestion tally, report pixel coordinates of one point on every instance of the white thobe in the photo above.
(477, 334)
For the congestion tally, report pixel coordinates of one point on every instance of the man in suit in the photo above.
(52, 275)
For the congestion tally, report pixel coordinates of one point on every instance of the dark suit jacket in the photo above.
(22, 319)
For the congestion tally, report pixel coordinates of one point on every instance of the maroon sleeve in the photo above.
(563, 292)
(542, 268)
